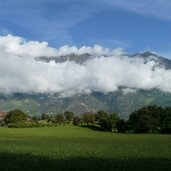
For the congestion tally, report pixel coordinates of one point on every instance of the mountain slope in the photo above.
(124, 104)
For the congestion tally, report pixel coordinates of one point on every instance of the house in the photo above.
(2, 117)
(29, 119)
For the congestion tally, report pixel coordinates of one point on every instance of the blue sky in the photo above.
(132, 24)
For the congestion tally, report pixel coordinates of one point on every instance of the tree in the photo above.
(15, 116)
(103, 120)
(59, 118)
(121, 126)
(76, 120)
(69, 115)
(113, 119)
(36, 119)
(165, 120)
(146, 119)
(101, 114)
(88, 118)
(51, 119)
(45, 116)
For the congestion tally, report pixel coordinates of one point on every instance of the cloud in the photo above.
(128, 90)
(20, 73)
(19, 46)
(156, 8)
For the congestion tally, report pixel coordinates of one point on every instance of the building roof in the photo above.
(3, 114)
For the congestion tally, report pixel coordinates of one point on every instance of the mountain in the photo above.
(80, 59)
(119, 102)
(151, 56)
(123, 103)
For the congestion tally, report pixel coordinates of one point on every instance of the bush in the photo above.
(28, 125)
(15, 116)
(76, 121)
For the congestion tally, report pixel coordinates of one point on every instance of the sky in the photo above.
(112, 28)
(134, 25)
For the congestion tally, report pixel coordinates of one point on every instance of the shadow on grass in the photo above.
(93, 127)
(28, 162)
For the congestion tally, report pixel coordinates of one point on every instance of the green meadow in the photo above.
(77, 148)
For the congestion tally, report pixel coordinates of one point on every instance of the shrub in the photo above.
(15, 116)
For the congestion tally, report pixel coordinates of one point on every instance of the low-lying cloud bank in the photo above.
(18, 46)
(20, 73)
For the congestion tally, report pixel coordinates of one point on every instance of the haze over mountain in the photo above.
(39, 78)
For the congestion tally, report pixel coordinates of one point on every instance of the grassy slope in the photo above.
(74, 148)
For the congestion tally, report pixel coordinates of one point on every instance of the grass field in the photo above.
(76, 148)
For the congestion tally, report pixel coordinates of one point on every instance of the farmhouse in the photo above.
(2, 117)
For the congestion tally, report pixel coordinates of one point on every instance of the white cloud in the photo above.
(128, 90)
(19, 72)
(155, 8)
(19, 46)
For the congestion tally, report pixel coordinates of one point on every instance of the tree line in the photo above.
(149, 119)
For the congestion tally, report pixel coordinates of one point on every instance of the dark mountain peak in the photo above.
(146, 54)
(149, 53)
(78, 58)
